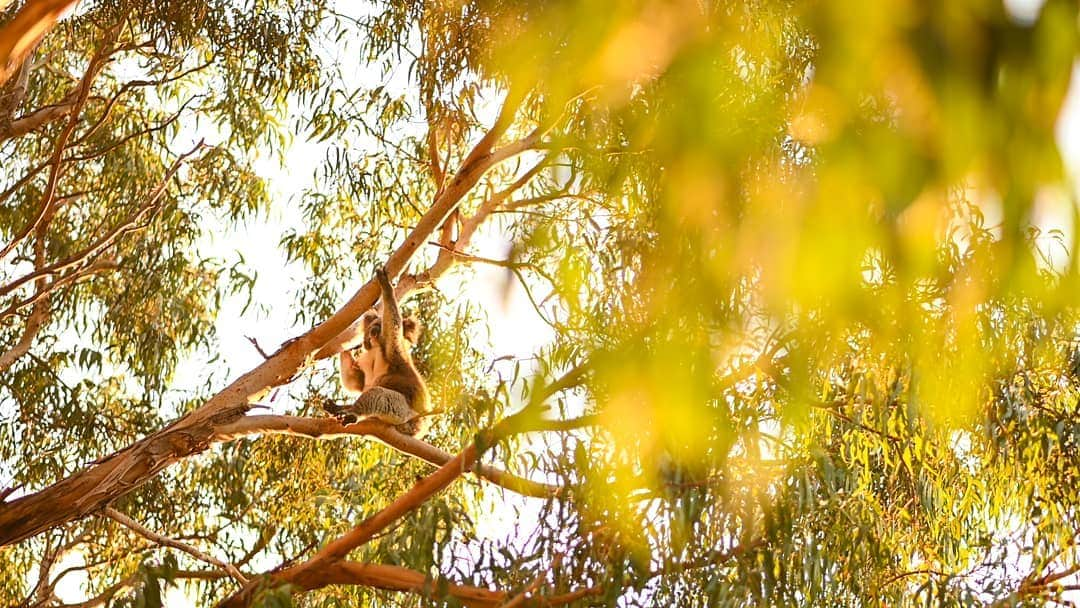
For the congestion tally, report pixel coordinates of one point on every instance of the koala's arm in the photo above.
(352, 377)
(391, 318)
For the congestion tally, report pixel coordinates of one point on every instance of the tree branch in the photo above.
(19, 37)
(82, 93)
(165, 541)
(330, 428)
(34, 120)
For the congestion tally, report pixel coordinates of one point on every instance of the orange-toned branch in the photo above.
(26, 29)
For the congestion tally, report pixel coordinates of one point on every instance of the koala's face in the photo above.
(373, 330)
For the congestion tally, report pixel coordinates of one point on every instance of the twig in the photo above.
(258, 348)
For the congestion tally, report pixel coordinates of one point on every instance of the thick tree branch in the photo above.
(26, 29)
(38, 316)
(330, 428)
(14, 91)
(34, 120)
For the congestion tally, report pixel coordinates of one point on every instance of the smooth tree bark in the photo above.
(29, 25)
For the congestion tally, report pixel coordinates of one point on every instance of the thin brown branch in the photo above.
(22, 181)
(165, 541)
(131, 85)
(526, 593)
(109, 238)
(832, 411)
(42, 294)
(446, 259)
(45, 207)
(130, 136)
(437, 173)
(258, 348)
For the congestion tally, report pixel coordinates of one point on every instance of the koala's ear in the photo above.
(369, 317)
(410, 329)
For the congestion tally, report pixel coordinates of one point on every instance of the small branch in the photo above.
(82, 92)
(9, 491)
(437, 172)
(397, 578)
(841, 416)
(130, 136)
(107, 240)
(43, 293)
(520, 598)
(258, 348)
(558, 426)
(175, 544)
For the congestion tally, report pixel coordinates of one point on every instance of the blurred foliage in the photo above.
(801, 247)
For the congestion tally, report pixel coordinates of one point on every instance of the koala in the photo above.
(390, 387)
